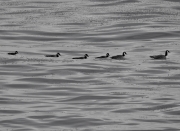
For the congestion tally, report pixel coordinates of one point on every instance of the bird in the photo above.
(57, 55)
(160, 56)
(16, 52)
(107, 55)
(84, 57)
(119, 56)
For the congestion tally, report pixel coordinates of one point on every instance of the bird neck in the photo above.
(166, 53)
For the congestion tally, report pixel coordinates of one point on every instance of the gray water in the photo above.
(62, 94)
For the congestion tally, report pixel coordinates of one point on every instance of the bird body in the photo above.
(84, 57)
(160, 56)
(57, 55)
(107, 55)
(16, 52)
(119, 56)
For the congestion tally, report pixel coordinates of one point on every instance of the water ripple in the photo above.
(60, 93)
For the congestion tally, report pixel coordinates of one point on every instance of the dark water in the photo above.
(62, 94)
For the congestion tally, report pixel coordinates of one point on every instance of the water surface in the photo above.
(62, 94)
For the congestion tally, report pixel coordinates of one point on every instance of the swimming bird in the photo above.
(160, 56)
(84, 57)
(57, 55)
(119, 56)
(16, 52)
(107, 55)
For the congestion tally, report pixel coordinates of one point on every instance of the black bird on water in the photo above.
(57, 55)
(160, 56)
(106, 56)
(84, 57)
(16, 52)
(119, 56)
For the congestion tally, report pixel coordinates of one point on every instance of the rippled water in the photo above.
(62, 94)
